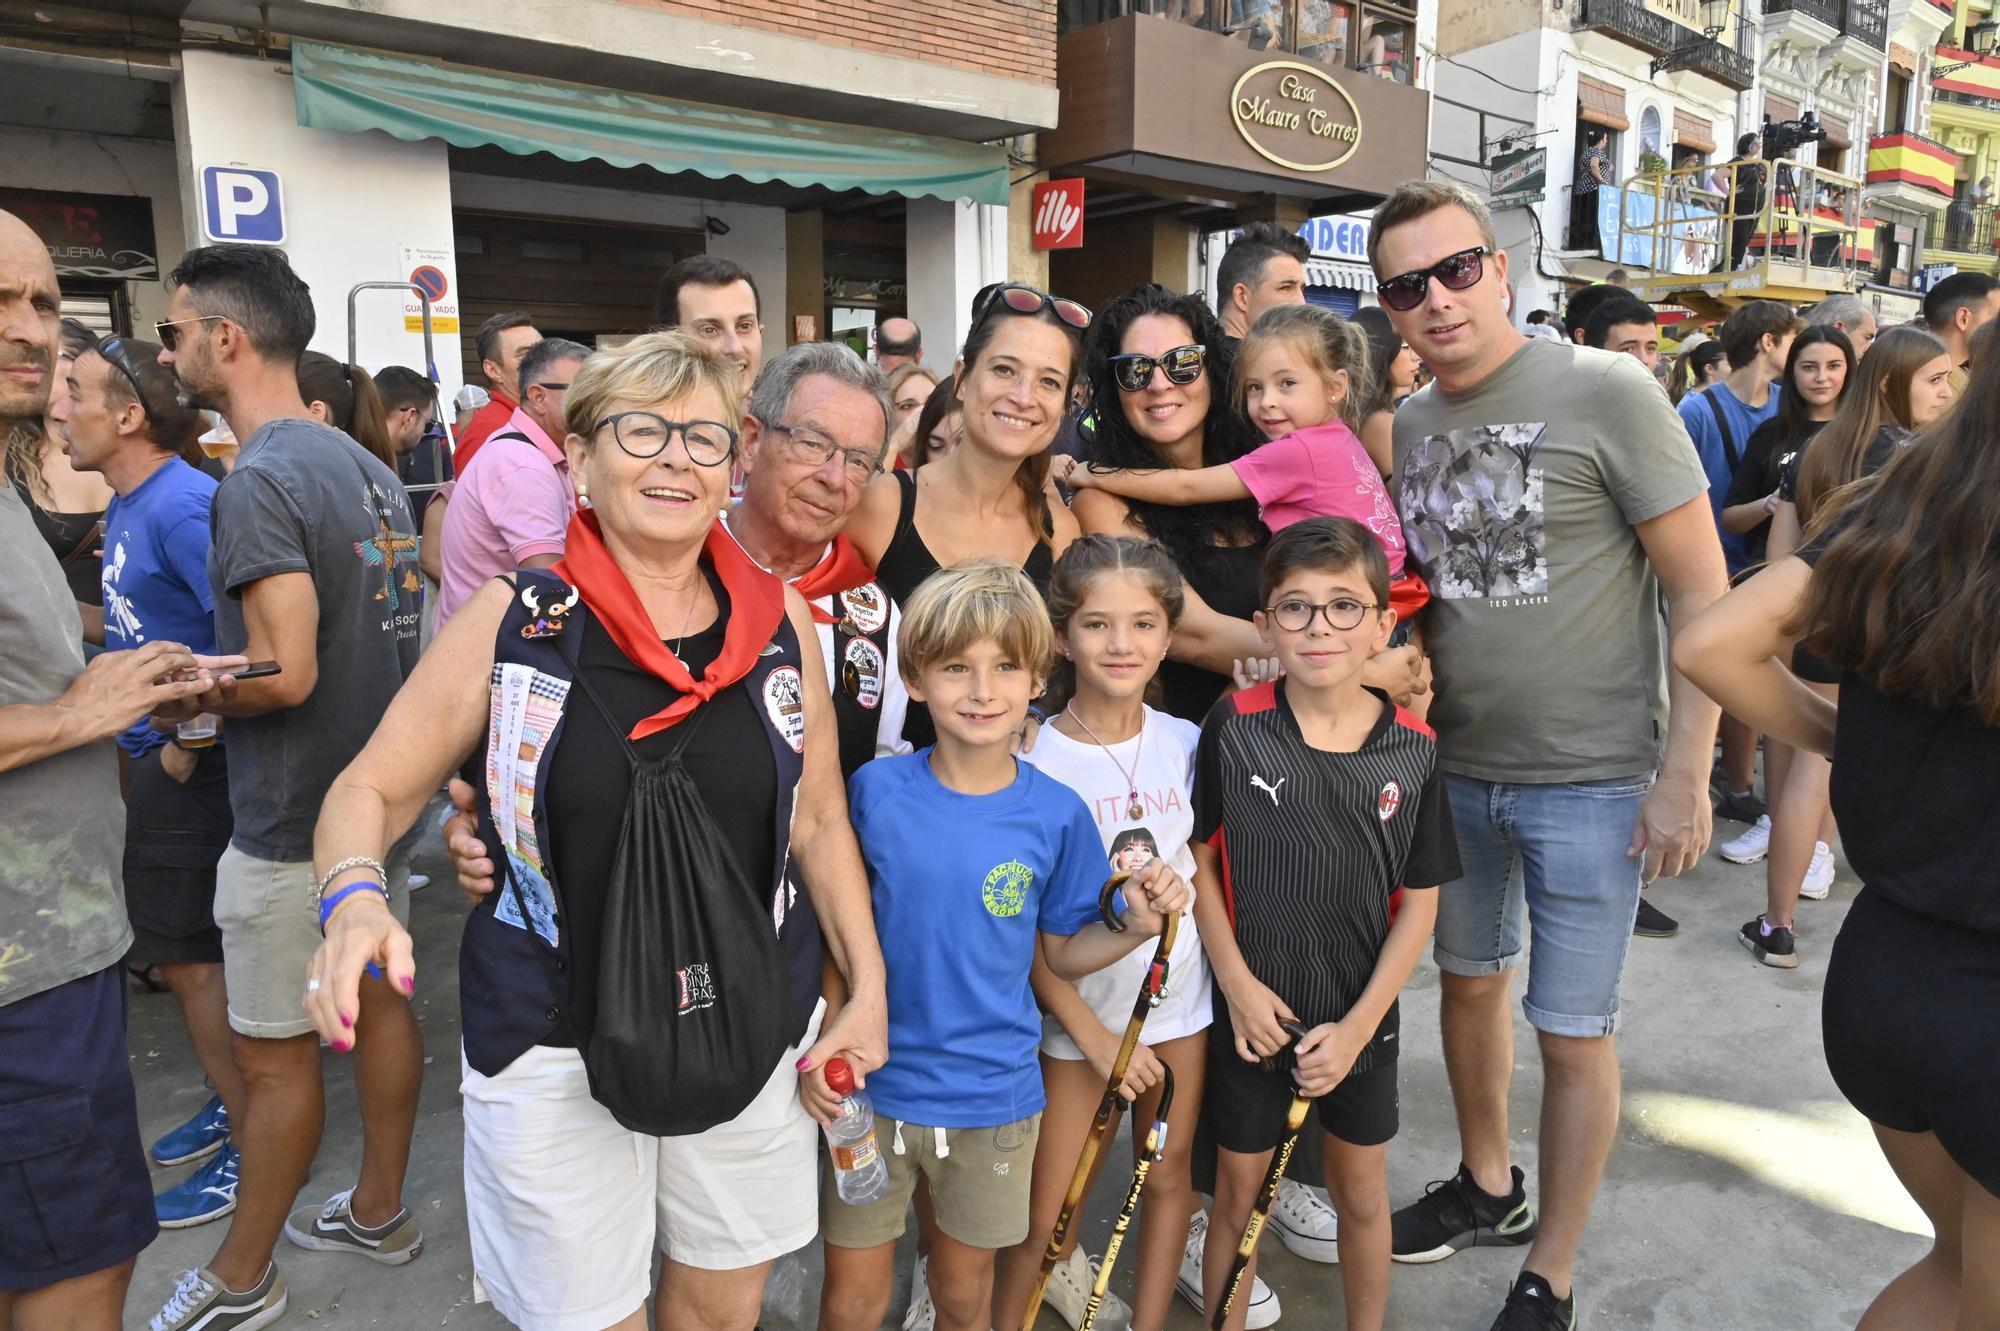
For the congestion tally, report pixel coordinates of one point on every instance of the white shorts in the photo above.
(566, 1206)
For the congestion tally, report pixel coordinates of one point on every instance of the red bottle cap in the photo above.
(839, 1076)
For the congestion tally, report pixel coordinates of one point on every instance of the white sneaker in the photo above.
(1752, 846)
(1069, 1291)
(921, 1315)
(1819, 874)
(1306, 1223)
(1263, 1309)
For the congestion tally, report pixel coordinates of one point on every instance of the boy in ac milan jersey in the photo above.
(1321, 831)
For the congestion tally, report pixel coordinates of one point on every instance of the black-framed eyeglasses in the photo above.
(646, 434)
(1295, 614)
(170, 329)
(861, 465)
(1133, 372)
(1029, 300)
(116, 351)
(1457, 271)
(550, 385)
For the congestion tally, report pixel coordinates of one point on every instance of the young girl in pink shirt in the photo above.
(1298, 376)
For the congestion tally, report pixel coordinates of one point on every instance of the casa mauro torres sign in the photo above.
(1295, 115)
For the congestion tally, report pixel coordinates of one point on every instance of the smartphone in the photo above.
(255, 670)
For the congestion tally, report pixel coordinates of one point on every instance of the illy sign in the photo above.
(1058, 215)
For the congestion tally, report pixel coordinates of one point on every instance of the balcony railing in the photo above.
(1719, 63)
(1318, 31)
(1968, 229)
(1826, 11)
(1971, 99)
(1866, 21)
(1630, 21)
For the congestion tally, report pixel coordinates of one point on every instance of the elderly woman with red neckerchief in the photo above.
(641, 984)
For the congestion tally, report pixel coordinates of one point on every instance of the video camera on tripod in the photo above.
(1782, 138)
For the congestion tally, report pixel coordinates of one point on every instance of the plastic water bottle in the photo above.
(858, 1171)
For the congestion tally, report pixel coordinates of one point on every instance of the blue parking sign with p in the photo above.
(242, 204)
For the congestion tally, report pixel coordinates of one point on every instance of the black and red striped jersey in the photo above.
(1316, 846)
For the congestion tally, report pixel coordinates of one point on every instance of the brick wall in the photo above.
(1008, 38)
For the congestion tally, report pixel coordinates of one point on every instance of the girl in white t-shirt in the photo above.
(1115, 601)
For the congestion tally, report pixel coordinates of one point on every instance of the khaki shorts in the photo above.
(978, 1181)
(269, 935)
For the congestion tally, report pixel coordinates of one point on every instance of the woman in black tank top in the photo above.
(1217, 546)
(989, 497)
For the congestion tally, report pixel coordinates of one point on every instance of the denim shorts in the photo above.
(1554, 855)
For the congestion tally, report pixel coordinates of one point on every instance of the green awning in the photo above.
(341, 88)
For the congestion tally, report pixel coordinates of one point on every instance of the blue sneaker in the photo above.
(200, 1136)
(207, 1194)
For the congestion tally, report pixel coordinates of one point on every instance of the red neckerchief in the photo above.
(843, 569)
(756, 604)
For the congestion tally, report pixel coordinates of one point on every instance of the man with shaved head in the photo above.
(898, 342)
(78, 1218)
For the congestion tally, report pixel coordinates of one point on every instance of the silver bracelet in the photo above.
(351, 862)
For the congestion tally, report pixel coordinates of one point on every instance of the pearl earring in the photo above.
(582, 497)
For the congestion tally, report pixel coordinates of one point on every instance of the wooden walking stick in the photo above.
(1151, 991)
(1149, 1155)
(1295, 1118)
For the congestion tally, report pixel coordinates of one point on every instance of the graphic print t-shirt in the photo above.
(1161, 758)
(962, 884)
(1315, 846)
(304, 498)
(156, 573)
(1518, 499)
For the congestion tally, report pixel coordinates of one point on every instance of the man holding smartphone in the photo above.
(76, 1221)
(314, 566)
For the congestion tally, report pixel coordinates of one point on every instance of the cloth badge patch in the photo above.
(861, 673)
(866, 606)
(1390, 800)
(1005, 890)
(785, 704)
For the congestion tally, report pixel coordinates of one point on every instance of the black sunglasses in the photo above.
(170, 329)
(1029, 300)
(1457, 271)
(115, 350)
(1133, 372)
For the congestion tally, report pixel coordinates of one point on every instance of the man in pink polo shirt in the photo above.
(513, 502)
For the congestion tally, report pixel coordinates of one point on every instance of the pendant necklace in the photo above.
(1137, 808)
(688, 619)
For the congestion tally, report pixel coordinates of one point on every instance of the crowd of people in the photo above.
(1298, 643)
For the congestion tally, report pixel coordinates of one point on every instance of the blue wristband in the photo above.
(326, 909)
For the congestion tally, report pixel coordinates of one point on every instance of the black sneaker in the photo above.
(1533, 1306)
(1775, 947)
(1743, 808)
(1652, 922)
(1457, 1213)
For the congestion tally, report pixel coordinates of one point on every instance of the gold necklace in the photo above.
(1137, 808)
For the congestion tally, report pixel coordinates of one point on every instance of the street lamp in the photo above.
(1714, 20)
(1979, 39)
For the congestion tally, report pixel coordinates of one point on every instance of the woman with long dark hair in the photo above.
(1700, 365)
(1393, 377)
(345, 397)
(1794, 838)
(1898, 585)
(67, 505)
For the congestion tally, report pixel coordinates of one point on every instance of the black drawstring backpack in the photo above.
(691, 993)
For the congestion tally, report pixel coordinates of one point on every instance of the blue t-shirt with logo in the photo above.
(1701, 424)
(962, 884)
(156, 584)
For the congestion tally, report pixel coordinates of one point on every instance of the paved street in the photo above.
(1744, 1192)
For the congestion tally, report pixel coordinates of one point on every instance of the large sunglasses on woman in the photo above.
(1182, 365)
(1457, 271)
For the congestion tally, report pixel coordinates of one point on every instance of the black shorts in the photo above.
(1907, 1019)
(174, 834)
(1248, 1104)
(75, 1193)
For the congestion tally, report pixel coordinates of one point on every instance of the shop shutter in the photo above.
(1338, 299)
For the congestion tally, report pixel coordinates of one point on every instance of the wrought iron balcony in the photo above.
(1826, 11)
(1866, 21)
(1717, 61)
(1630, 21)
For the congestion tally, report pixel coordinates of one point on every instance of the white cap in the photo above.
(471, 398)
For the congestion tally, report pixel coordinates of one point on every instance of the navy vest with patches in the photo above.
(513, 963)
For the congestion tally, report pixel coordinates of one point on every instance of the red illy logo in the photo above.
(1390, 800)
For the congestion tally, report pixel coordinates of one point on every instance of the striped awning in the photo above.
(1601, 103)
(1337, 273)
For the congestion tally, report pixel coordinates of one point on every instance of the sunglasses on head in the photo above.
(116, 351)
(1030, 300)
(1182, 365)
(1456, 271)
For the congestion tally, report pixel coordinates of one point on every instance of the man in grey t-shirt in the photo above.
(1550, 495)
(314, 565)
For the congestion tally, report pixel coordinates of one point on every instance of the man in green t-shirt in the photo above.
(1549, 494)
